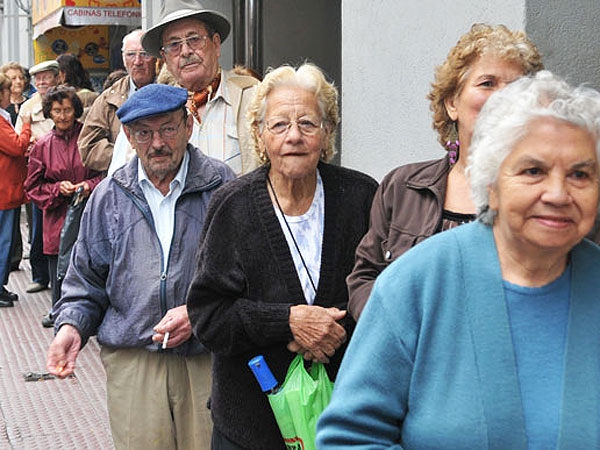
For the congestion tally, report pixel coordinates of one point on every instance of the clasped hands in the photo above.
(317, 333)
(68, 189)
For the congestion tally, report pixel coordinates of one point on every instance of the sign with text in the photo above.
(43, 8)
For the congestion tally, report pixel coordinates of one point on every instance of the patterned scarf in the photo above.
(198, 99)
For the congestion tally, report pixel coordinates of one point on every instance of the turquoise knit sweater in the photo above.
(431, 363)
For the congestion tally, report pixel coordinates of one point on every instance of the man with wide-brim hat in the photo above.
(129, 274)
(188, 38)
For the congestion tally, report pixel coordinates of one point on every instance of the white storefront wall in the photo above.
(389, 53)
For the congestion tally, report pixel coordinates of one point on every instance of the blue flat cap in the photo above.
(152, 100)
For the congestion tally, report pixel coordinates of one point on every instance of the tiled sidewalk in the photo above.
(51, 414)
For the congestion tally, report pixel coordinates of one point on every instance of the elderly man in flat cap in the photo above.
(129, 273)
(188, 37)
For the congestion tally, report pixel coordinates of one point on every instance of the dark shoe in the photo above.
(6, 301)
(36, 287)
(5, 294)
(48, 321)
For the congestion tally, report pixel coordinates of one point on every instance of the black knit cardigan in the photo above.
(246, 282)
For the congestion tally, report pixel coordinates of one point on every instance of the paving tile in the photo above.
(51, 414)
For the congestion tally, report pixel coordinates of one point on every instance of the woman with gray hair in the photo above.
(277, 246)
(487, 335)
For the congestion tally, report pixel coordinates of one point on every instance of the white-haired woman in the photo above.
(488, 334)
(277, 246)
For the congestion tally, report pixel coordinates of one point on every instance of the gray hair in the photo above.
(503, 122)
(132, 35)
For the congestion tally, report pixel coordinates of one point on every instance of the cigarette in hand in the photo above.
(165, 340)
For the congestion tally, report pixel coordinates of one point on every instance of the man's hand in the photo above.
(317, 335)
(177, 323)
(63, 351)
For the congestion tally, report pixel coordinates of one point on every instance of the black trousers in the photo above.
(55, 283)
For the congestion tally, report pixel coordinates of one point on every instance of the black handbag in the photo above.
(69, 232)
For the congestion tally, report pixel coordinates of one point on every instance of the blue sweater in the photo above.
(431, 363)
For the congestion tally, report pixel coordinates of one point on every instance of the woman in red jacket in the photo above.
(13, 169)
(55, 172)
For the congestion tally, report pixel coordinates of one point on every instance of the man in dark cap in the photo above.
(129, 273)
(188, 37)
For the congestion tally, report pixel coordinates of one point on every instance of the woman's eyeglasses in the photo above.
(307, 127)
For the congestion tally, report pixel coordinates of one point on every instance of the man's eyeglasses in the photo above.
(143, 55)
(195, 42)
(307, 127)
(145, 135)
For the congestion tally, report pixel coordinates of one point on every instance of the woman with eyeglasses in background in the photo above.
(16, 73)
(55, 172)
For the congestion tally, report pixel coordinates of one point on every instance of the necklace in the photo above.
(312, 283)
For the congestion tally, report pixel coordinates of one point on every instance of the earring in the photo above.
(453, 144)
(263, 156)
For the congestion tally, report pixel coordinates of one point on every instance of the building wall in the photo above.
(567, 35)
(389, 52)
(15, 35)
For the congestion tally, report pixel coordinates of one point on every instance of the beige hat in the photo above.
(43, 66)
(183, 9)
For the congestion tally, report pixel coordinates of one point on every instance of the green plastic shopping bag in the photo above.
(298, 402)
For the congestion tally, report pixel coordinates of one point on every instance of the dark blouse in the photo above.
(451, 219)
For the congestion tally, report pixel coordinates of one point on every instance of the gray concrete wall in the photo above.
(15, 35)
(566, 32)
(389, 51)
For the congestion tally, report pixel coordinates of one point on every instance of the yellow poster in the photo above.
(89, 43)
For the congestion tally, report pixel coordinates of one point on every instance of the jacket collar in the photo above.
(69, 134)
(430, 173)
(118, 92)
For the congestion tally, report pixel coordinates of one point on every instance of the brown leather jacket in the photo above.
(407, 209)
